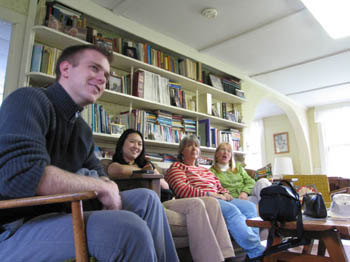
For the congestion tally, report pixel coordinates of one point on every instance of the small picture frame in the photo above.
(130, 51)
(281, 143)
(116, 84)
(216, 82)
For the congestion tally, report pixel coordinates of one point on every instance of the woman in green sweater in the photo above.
(235, 178)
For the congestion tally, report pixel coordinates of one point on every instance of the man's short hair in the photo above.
(71, 54)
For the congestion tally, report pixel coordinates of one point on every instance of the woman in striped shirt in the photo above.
(188, 179)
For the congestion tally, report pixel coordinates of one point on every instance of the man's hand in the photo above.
(109, 196)
(243, 196)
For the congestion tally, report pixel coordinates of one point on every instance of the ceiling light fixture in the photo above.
(333, 15)
(209, 12)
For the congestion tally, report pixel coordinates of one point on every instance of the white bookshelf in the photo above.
(54, 38)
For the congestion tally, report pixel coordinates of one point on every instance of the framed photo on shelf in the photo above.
(130, 52)
(115, 83)
(216, 82)
(281, 143)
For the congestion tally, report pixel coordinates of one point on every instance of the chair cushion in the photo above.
(177, 223)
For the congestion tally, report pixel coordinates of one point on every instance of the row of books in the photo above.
(211, 137)
(158, 125)
(44, 59)
(230, 85)
(219, 109)
(70, 21)
(154, 87)
(97, 118)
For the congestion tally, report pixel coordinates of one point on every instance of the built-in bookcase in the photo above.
(116, 102)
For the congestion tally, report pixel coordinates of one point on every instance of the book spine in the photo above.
(138, 85)
(36, 58)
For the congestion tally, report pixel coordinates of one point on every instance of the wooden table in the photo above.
(329, 233)
(149, 181)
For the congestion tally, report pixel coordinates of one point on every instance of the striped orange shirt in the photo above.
(192, 181)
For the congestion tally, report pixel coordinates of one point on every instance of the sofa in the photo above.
(177, 222)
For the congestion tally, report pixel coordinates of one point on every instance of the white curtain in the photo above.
(335, 138)
(254, 141)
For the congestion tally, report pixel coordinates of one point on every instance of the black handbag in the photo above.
(280, 203)
(314, 205)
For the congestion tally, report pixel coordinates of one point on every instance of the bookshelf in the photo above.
(60, 40)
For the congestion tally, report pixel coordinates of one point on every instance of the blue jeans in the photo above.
(235, 213)
(140, 235)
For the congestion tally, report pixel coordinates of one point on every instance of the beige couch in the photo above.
(177, 222)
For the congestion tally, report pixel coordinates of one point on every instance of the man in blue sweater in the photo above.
(43, 144)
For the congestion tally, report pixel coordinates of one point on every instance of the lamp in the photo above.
(282, 166)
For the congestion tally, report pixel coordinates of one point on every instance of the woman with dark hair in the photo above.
(188, 179)
(209, 240)
(130, 155)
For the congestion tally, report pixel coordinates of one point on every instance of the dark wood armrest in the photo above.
(344, 190)
(149, 181)
(49, 199)
(81, 252)
(140, 176)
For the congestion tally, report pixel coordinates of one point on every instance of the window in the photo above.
(254, 137)
(5, 35)
(334, 138)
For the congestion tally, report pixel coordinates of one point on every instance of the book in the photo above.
(239, 93)
(36, 57)
(47, 60)
(205, 103)
(216, 82)
(44, 60)
(229, 86)
(57, 55)
(52, 59)
(40, 12)
(216, 109)
(204, 132)
(224, 110)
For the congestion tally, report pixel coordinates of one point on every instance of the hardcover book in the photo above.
(204, 132)
(36, 57)
(138, 85)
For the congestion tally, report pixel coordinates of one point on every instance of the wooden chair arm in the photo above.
(149, 181)
(48, 199)
(344, 190)
(81, 251)
(139, 176)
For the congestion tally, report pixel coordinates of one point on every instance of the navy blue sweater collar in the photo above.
(63, 102)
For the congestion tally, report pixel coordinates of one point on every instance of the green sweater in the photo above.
(235, 182)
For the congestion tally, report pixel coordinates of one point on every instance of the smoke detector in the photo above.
(209, 13)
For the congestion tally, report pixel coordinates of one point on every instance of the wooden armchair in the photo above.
(136, 181)
(81, 252)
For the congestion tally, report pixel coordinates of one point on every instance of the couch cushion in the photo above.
(177, 223)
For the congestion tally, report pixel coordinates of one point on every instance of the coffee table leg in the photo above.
(321, 250)
(334, 246)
